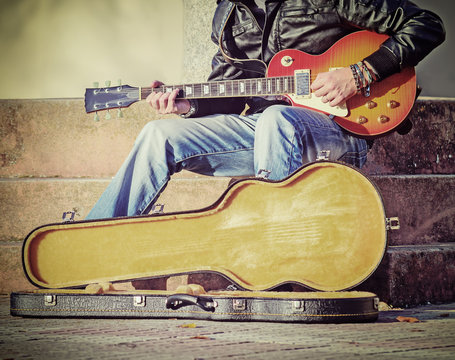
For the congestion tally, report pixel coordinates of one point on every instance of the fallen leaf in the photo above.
(384, 306)
(200, 337)
(191, 326)
(407, 319)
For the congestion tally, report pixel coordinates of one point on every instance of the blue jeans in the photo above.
(276, 143)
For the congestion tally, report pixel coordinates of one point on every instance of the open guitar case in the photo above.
(323, 227)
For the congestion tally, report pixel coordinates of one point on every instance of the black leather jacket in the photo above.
(313, 26)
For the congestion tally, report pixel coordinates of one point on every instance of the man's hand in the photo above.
(335, 86)
(167, 102)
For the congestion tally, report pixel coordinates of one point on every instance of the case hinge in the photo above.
(323, 155)
(392, 223)
(68, 216)
(158, 209)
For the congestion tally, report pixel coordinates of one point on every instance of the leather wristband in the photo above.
(193, 109)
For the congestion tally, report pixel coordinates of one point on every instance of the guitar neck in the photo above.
(229, 88)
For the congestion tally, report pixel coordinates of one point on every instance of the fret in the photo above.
(242, 87)
(188, 92)
(197, 90)
(205, 90)
(235, 88)
(221, 88)
(259, 86)
(214, 89)
(253, 85)
(229, 91)
(264, 86)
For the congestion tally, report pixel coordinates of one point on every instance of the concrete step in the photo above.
(407, 276)
(45, 172)
(30, 203)
(424, 204)
(55, 138)
(415, 274)
(425, 241)
(429, 148)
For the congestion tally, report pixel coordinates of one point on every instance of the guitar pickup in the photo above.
(302, 83)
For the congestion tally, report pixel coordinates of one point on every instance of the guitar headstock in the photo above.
(111, 97)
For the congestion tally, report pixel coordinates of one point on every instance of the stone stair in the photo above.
(56, 158)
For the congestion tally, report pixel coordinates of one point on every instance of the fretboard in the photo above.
(230, 88)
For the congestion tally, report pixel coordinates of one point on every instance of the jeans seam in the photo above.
(290, 155)
(215, 152)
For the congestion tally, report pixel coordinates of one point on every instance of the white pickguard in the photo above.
(316, 103)
(302, 81)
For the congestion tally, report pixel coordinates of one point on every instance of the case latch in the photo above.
(298, 305)
(139, 301)
(239, 304)
(392, 223)
(50, 300)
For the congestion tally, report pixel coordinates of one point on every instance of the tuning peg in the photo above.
(119, 82)
(108, 115)
(96, 84)
(119, 113)
(96, 117)
(107, 83)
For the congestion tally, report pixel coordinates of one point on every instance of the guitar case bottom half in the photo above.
(292, 307)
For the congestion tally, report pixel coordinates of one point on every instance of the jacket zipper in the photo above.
(256, 22)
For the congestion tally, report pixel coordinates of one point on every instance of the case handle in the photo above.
(178, 301)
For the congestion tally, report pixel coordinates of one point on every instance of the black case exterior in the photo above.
(321, 308)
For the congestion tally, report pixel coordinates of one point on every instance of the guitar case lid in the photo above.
(304, 307)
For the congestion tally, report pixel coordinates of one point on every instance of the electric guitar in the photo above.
(289, 74)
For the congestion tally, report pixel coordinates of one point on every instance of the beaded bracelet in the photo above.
(356, 78)
(366, 71)
(362, 82)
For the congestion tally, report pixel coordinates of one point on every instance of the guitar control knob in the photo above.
(287, 60)
(362, 120)
(383, 119)
(392, 104)
(371, 104)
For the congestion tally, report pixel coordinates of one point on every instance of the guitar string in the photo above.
(251, 87)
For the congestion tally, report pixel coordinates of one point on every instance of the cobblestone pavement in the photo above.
(433, 337)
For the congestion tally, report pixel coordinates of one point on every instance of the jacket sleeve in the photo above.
(414, 32)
